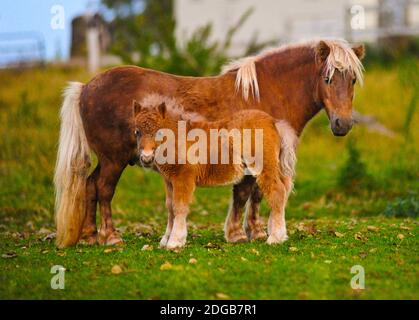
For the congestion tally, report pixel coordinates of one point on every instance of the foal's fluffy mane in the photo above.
(341, 57)
(173, 107)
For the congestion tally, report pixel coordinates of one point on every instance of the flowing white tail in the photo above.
(71, 171)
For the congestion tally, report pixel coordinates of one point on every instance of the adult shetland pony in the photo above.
(293, 83)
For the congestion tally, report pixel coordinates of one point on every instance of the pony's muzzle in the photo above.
(147, 158)
(341, 126)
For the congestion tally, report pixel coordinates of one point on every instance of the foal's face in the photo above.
(147, 124)
(336, 94)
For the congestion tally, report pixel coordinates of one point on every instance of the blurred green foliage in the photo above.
(403, 207)
(144, 34)
(391, 51)
(353, 174)
(27, 112)
(409, 78)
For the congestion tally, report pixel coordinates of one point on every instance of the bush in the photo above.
(391, 51)
(403, 207)
(353, 174)
(147, 38)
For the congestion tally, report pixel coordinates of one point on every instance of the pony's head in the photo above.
(147, 123)
(339, 68)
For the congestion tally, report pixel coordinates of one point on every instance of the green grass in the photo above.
(331, 229)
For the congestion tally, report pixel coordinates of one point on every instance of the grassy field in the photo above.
(370, 221)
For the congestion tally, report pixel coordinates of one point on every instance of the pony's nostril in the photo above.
(337, 123)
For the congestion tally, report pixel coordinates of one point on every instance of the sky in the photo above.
(41, 17)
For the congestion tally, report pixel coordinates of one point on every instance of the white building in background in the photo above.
(286, 21)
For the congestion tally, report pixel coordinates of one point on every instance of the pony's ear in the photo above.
(359, 51)
(162, 109)
(322, 51)
(136, 107)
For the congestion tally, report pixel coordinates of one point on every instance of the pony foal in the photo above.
(181, 177)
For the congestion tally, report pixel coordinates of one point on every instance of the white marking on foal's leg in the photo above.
(170, 214)
(179, 232)
(279, 235)
(169, 227)
(166, 236)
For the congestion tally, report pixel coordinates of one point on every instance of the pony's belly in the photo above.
(222, 175)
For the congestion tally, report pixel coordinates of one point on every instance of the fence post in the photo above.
(93, 45)
(347, 22)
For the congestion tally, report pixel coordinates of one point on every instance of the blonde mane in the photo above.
(246, 77)
(341, 58)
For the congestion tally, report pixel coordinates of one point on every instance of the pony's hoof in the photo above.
(173, 244)
(163, 242)
(236, 236)
(114, 241)
(277, 239)
(90, 239)
(110, 240)
(258, 234)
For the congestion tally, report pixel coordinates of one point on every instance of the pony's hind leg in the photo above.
(109, 175)
(170, 214)
(276, 194)
(233, 230)
(89, 233)
(252, 224)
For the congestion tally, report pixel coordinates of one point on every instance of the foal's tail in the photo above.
(71, 170)
(287, 156)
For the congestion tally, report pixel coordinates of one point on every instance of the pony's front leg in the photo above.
(170, 214)
(182, 197)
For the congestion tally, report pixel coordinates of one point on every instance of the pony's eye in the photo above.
(328, 80)
(353, 81)
(137, 132)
